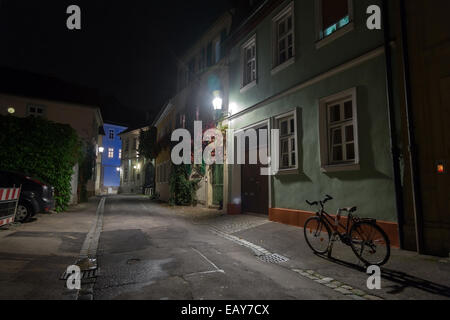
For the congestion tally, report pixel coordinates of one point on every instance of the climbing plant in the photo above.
(42, 149)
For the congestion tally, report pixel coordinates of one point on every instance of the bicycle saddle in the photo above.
(350, 209)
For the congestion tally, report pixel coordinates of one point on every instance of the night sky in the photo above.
(126, 49)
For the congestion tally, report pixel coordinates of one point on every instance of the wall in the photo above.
(363, 188)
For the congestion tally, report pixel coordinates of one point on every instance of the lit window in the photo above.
(120, 153)
(283, 28)
(339, 133)
(288, 142)
(111, 134)
(249, 62)
(36, 110)
(333, 15)
(110, 153)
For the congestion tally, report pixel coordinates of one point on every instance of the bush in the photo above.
(43, 149)
(183, 191)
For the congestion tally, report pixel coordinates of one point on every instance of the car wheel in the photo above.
(23, 212)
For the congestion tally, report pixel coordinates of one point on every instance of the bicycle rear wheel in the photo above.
(370, 243)
(317, 235)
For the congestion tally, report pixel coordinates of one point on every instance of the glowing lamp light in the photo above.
(101, 149)
(118, 169)
(232, 108)
(440, 168)
(11, 110)
(217, 103)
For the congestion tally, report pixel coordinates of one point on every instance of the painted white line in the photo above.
(209, 261)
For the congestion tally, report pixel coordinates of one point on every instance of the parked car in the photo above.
(36, 196)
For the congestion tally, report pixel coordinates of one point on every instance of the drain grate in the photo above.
(273, 258)
(85, 275)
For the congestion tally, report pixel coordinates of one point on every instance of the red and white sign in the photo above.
(8, 195)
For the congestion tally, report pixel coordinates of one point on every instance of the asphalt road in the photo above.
(147, 252)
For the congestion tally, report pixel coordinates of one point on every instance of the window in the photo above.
(217, 49)
(120, 153)
(35, 110)
(111, 134)
(332, 16)
(127, 144)
(249, 62)
(339, 134)
(163, 173)
(288, 142)
(125, 173)
(283, 29)
(110, 153)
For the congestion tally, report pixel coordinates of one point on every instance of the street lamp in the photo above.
(101, 149)
(217, 101)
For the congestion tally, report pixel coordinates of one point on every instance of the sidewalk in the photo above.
(406, 276)
(34, 255)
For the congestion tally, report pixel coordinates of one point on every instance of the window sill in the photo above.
(285, 172)
(248, 86)
(335, 35)
(283, 66)
(341, 168)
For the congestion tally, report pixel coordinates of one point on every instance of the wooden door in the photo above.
(255, 187)
(429, 52)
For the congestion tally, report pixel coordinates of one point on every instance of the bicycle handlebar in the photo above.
(315, 203)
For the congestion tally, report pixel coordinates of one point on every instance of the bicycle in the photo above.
(368, 241)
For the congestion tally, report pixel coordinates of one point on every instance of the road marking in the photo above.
(88, 254)
(337, 286)
(216, 269)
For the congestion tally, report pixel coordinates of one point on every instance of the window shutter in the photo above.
(333, 11)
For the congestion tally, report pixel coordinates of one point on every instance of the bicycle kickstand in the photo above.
(330, 245)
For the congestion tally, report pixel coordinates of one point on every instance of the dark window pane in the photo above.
(293, 160)
(281, 28)
(348, 106)
(333, 11)
(290, 53)
(337, 153)
(284, 128)
(349, 134)
(289, 40)
(337, 136)
(292, 126)
(351, 151)
(335, 113)
(285, 146)
(33, 110)
(289, 23)
(293, 145)
(285, 161)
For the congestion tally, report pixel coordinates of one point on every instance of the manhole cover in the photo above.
(133, 261)
(273, 258)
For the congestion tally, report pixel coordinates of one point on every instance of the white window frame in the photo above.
(292, 115)
(110, 153)
(289, 10)
(35, 113)
(327, 165)
(323, 41)
(246, 84)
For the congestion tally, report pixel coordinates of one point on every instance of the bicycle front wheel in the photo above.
(317, 235)
(370, 243)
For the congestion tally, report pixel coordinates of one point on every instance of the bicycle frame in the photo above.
(332, 222)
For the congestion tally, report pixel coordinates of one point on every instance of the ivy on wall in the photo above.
(43, 149)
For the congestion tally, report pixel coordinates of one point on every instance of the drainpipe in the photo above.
(392, 126)
(415, 181)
